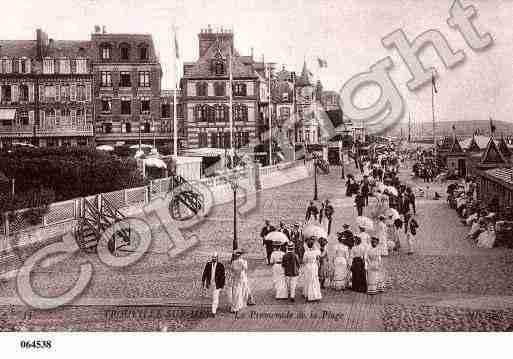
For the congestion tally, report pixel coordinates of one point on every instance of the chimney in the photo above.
(104, 29)
(252, 50)
(97, 29)
(41, 43)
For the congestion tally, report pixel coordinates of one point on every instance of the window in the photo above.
(6, 93)
(146, 127)
(106, 78)
(81, 66)
(203, 139)
(240, 113)
(285, 96)
(128, 127)
(65, 93)
(145, 105)
(126, 106)
(24, 118)
(239, 89)
(124, 79)
(219, 89)
(64, 66)
(48, 66)
(144, 78)
(106, 105)
(245, 138)
(213, 140)
(219, 113)
(125, 51)
(50, 93)
(24, 93)
(6, 66)
(219, 68)
(227, 140)
(81, 93)
(107, 127)
(23, 66)
(143, 52)
(166, 110)
(105, 51)
(6, 123)
(201, 88)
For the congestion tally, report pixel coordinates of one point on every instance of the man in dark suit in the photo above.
(312, 210)
(284, 229)
(328, 212)
(214, 275)
(268, 244)
(290, 264)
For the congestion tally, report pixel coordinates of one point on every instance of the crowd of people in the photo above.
(301, 257)
(486, 219)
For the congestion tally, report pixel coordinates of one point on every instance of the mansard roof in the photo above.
(18, 48)
(473, 146)
(455, 147)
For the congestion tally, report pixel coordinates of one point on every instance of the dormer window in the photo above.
(105, 51)
(64, 66)
(201, 89)
(239, 89)
(48, 66)
(81, 66)
(143, 52)
(219, 68)
(124, 52)
(285, 96)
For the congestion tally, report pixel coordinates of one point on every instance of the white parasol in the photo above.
(393, 212)
(142, 145)
(276, 236)
(365, 222)
(105, 148)
(392, 190)
(311, 230)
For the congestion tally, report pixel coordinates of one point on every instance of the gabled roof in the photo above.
(279, 88)
(283, 75)
(503, 148)
(70, 49)
(304, 79)
(481, 141)
(473, 146)
(492, 155)
(455, 147)
(203, 67)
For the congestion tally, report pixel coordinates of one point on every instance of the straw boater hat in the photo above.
(290, 247)
(345, 225)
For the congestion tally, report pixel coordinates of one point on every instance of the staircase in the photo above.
(98, 214)
(187, 201)
(321, 163)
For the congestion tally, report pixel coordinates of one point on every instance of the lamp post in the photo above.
(315, 179)
(234, 184)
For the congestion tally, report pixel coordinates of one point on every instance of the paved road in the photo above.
(446, 285)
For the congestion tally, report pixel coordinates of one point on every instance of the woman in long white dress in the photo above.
(340, 265)
(373, 266)
(241, 293)
(280, 284)
(487, 238)
(311, 286)
(381, 233)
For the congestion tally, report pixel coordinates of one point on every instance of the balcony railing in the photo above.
(65, 130)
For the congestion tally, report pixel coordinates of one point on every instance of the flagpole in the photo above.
(270, 121)
(294, 117)
(175, 124)
(433, 110)
(230, 112)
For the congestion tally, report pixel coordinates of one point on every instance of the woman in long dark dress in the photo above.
(359, 280)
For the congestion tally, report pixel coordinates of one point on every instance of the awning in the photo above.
(7, 113)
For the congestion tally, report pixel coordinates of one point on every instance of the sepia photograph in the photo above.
(223, 166)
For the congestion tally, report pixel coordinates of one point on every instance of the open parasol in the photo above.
(392, 190)
(392, 212)
(311, 230)
(365, 222)
(278, 237)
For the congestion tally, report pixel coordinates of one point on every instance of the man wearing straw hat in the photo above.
(214, 274)
(290, 263)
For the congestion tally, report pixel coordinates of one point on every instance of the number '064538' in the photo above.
(36, 344)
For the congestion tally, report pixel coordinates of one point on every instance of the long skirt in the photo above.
(373, 279)
(280, 284)
(311, 286)
(340, 273)
(359, 282)
(240, 294)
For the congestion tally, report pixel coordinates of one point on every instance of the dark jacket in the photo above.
(328, 211)
(359, 200)
(265, 231)
(290, 264)
(219, 275)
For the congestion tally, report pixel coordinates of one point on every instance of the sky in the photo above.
(347, 34)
